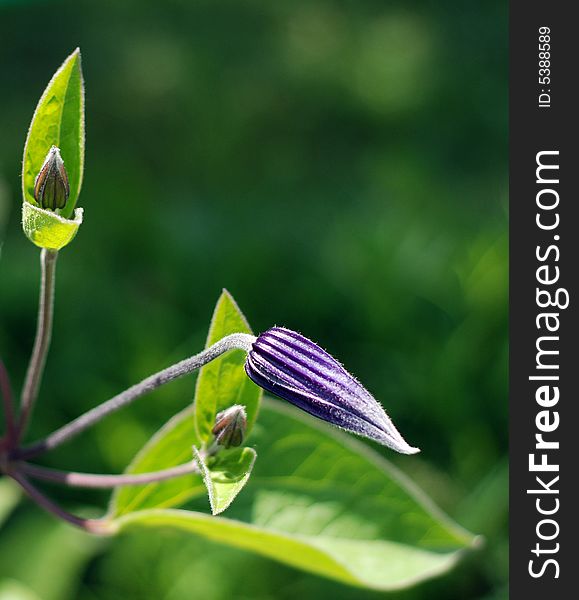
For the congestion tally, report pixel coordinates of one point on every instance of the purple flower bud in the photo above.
(291, 366)
(230, 426)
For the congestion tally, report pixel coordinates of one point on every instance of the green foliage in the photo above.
(225, 475)
(223, 382)
(58, 121)
(169, 447)
(265, 147)
(47, 229)
(327, 504)
(317, 499)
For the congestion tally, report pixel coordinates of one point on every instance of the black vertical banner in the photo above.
(544, 268)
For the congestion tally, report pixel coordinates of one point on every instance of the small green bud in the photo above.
(230, 426)
(51, 188)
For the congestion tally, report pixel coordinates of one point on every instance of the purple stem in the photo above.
(7, 401)
(89, 525)
(42, 339)
(90, 480)
(240, 341)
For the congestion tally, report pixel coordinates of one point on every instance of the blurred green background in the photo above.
(341, 168)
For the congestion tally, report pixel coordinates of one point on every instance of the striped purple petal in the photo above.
(289, 365)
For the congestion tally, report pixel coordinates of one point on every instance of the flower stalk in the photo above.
(41, 341)
(279, 360)
(98, 481)
(95, 526)
(9, 437)
(241, 341)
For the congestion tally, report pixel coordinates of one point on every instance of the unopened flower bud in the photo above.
(230, 426)
(291, 366)
(51, 188)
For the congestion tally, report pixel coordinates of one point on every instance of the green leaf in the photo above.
(46, 229)
(326, 503)
(169, 447)
(59, 121)
(223, 382)
(225, 475)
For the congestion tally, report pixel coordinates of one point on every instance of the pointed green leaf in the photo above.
(223, 382)
(46, 229)
(375, 564)
(169, 447)
(225, 475)
(326, 503)
(59, 121)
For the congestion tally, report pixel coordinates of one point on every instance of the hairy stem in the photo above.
(6, 393)
(90, 480)
(241, 341)
(90, 525)
(42, 340)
